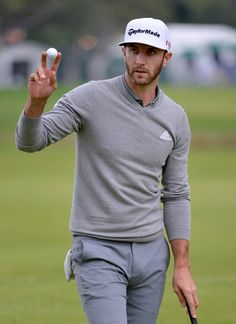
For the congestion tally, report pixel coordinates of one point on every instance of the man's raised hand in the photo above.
(42, 83)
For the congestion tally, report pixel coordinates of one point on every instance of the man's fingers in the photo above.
(34, 77)
(41, 72)
(191, 306)
(53, 80)
(45, 72)
(43, 66)
(180, 296)
(189, 300)
(44, 60)
(196, 301)
(56, 62)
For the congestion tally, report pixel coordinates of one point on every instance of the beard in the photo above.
(142, 76)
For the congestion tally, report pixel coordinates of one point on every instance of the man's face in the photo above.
(144, 63)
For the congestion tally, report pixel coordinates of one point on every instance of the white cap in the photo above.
(149, 31)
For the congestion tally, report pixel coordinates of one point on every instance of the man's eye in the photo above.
(134, 50)
(151, 52)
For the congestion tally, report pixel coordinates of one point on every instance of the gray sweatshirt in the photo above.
(129, 160)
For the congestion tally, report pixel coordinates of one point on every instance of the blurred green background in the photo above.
(36, 194)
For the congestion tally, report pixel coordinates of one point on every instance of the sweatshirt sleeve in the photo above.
(34, 134)
(176, 193)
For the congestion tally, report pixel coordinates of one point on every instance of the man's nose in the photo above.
(140, 58)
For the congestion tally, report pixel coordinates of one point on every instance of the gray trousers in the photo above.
(120, 282)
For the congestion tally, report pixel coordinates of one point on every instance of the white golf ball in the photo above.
(52, 53)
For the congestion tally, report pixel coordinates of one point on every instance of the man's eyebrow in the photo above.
(151, 48)
(132, 45)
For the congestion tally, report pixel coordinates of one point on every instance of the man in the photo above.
(132, 150)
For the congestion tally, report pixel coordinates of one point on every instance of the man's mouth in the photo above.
(140, 71)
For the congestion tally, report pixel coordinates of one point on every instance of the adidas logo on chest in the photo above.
(165, 136)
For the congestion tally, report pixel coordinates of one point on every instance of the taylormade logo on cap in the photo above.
(148, 31)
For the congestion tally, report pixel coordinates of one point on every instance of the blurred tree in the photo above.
(217, 12)
(62, 23)
(26, 13)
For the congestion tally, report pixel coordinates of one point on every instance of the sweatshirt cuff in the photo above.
(27, 131)
(177, 219)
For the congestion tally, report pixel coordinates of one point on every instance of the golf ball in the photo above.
(52, 53)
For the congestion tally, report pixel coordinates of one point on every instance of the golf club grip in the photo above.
(192, 319)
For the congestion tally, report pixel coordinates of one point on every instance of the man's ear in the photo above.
(123, 49)
(167, 58)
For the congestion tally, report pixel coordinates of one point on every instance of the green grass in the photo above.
(213, 178)
(36, 189)
(209, 109)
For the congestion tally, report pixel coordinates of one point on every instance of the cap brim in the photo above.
(141, 42)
